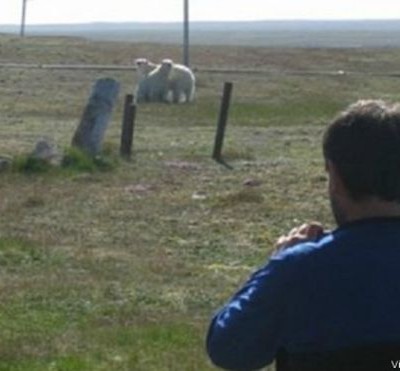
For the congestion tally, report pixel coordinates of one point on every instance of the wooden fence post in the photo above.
(222, 120)
(128, 126)
(90, 133)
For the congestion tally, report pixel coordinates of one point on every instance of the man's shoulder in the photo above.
(294, 264)
(307, 248)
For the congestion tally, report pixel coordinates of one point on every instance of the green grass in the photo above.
(75, 160)
(122, 269)
(31, 165)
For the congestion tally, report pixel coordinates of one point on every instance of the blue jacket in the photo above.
(339, 292)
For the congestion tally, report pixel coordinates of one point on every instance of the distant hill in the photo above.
(333, 34)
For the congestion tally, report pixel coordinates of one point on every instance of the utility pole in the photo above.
(22, 31)
(186, 32)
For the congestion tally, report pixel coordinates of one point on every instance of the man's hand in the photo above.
(307, 232)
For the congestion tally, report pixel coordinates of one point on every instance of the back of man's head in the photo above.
(363, 143)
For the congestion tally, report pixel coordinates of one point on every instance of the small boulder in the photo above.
(5, 163)
(47, 151)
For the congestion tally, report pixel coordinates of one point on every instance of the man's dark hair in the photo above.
(363, 143)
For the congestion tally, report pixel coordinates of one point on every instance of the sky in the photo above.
(82, 11)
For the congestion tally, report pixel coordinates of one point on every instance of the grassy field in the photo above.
(122, 269)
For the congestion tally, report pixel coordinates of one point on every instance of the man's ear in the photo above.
(336, 185)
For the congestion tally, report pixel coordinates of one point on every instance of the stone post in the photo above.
(90, 133)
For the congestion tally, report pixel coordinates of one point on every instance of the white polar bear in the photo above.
(181, 82)
(144, 67)
(153, 87)
(157, 83)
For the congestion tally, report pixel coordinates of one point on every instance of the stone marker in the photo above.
(90, 132)
(5, 163)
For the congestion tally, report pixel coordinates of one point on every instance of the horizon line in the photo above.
(212, 21)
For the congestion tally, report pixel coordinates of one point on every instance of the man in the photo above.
(330, 300)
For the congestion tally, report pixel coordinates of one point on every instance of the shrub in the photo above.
(31, 165)
(78, 160)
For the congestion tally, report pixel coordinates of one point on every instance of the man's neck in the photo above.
(372, 208)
